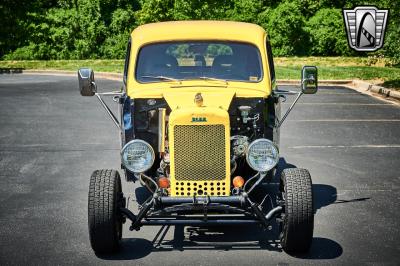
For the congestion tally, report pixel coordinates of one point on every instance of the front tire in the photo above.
(105, 222)
(298, 222)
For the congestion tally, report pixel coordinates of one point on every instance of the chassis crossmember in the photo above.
(194, 211)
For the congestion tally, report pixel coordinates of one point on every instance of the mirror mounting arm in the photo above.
(309, 85)
(88, 87)
(105, 106)
(280, 93)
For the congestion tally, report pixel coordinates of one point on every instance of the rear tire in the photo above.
(105, 222)
(298, 221)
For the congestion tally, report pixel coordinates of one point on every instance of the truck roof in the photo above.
(199, 30)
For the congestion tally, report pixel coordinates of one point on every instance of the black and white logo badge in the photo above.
(365, 26)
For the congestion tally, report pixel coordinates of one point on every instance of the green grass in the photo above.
(98, 65)
(334, 68)
(332, 61)
(366, 68)
(346, 68)
(342, 72)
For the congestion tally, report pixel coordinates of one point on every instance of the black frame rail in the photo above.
(251, 215)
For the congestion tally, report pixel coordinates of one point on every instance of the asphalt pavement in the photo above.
(51, 139)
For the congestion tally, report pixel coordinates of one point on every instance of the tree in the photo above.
(92, 29)
(16, 19)
(245, 10)
(201, 9)
(327, 33)
(154, 11)
(391, 47)
(121, 25)
(285, 25)
(80, 29)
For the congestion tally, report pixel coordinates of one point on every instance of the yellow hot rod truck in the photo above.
(199, 118)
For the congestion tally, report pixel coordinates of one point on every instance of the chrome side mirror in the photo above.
(87, 86)
(309, 79)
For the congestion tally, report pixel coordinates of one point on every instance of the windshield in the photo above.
(214, 60)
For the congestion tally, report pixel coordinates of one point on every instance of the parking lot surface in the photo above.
(51, 139)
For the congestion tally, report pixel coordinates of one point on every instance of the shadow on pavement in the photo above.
(232, 237)
(394, 83)
(324, 195)
(223, 239)
(130, 249)
(322, 249)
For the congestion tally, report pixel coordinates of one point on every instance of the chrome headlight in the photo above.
(137, 156)
(262, 155)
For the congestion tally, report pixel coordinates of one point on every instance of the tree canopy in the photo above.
(88, 29)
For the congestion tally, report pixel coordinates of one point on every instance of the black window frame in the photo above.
(126, 65)
(262, 70)
(270, 60)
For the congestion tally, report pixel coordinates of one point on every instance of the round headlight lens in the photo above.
(262, 155)
(137, 156)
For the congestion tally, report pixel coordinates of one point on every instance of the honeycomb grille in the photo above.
(199, 152)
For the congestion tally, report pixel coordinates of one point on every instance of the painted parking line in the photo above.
(396, 146)
(345, 120)
(350, 104)
(79, 147)
(334, 93)
(339, 93)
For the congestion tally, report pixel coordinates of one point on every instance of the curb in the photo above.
(325, 82)
(102, 75)
(363, 85)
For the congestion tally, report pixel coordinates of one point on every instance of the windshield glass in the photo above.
(198, 60)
